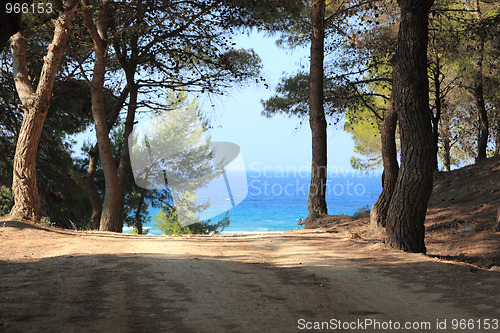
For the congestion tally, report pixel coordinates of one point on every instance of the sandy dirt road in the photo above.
(66, 281)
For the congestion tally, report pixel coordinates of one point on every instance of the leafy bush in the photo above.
(6, 201)
(362, 212)
(135, 231)
(168, 223)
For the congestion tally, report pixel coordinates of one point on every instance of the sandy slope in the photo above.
(64, 281)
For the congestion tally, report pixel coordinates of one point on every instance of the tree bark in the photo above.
(378, 213)
(93, 194)
(35, 105)
(129, 66)
(138, 221)
(437, 116)
(116, 178)
(446, 140)
(317, 120)
(124, 166)
(497, 134)
(111, 206)
(446, 154)
(478, 90)
(410, 96)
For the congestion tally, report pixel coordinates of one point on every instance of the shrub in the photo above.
(6, 201)
(362, 212)
(168, 222)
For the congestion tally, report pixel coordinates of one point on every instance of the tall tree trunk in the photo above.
(93, 194)
(445, 137)
(378, 213)
(138, 221)
(410, 96)
(317, 120)
(437, 116)
(111, 206)
(124, 167)
(35, 105)
(497, 134)
(478, 91)
(129, 66)
(116, 178)
(446, 154)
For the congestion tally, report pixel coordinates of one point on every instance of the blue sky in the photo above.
(272, 142)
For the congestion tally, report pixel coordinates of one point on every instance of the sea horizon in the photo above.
(277, 199)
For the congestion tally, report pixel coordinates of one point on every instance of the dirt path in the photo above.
(63, 281)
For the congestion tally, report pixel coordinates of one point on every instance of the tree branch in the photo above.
(21, 77)
(56, 49)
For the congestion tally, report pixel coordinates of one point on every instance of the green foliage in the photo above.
(135, 231)
(185, 46)
(177, 131)
(6, 201)
(137, 200)
(168, 222)
(45, 221)
(186, 157)
(458, 125)
(357, 75)
(363, 122)
(206, 227)
(362, 212)
(243, 61)
(287, 18)
(367, 145)
(292, 97)
(457, 29)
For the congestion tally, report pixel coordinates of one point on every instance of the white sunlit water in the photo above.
(275, 202)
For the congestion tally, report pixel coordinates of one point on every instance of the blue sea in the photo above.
(277, 200)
